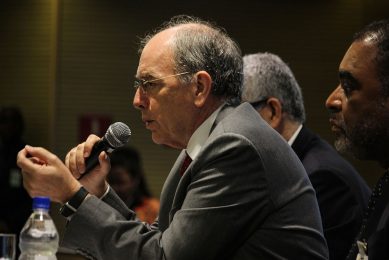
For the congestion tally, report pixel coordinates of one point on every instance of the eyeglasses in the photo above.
(147, 85)
(259, 103)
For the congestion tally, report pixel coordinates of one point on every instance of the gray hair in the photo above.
(205, 46)
(266, 75)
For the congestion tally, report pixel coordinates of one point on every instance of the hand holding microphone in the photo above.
(116, 136)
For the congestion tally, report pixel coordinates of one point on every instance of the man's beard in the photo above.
(368, 139)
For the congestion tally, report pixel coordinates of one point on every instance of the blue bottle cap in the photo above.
(41, 203)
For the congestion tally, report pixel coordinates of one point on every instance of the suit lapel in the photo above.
(168, 192)
(303, 142)
(175, 187)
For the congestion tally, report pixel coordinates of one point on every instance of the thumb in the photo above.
(41, 154)
(104, 161)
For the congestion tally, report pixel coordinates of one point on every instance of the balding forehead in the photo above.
(188, 27)
(167, 37)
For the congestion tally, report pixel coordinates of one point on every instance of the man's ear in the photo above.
(203, 88)
(275, 109)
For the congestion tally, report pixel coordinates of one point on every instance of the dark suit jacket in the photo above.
(341, 192)
(378, 242)
(377, 229)
(245, 196)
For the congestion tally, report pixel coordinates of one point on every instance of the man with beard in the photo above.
(359, 109)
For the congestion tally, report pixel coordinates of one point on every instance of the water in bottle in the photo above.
(39, 238)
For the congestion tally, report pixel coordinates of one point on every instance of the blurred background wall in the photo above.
(64, 62)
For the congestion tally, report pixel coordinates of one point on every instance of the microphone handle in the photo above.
(93, 160)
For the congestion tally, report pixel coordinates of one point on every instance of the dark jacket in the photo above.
(341, 192)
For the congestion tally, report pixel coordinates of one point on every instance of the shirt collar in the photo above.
(201, 134)
(294, 136)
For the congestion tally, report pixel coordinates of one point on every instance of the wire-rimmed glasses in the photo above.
(146, 85)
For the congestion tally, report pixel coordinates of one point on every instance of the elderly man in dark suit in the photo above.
(270, 86)
(243, 193)
(359, 108)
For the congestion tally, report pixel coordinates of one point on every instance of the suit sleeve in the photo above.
(222, 198)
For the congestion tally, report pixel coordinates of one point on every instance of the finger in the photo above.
(79, 158)
(89, 143)
(84, 150)
(29, 157)
(42, 154)
(67, 160)
(21, 158)
(105, 164)
(36, 160)
(72, 162)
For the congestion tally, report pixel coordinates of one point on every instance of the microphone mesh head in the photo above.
(117, 134)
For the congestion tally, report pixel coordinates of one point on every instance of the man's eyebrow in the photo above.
(145, 76)
(344, 74)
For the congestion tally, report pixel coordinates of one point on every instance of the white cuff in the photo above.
(106, 192)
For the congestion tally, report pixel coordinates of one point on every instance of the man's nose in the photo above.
(140, 100)
(334, 101)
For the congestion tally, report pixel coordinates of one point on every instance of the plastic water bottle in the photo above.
(39, 238)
